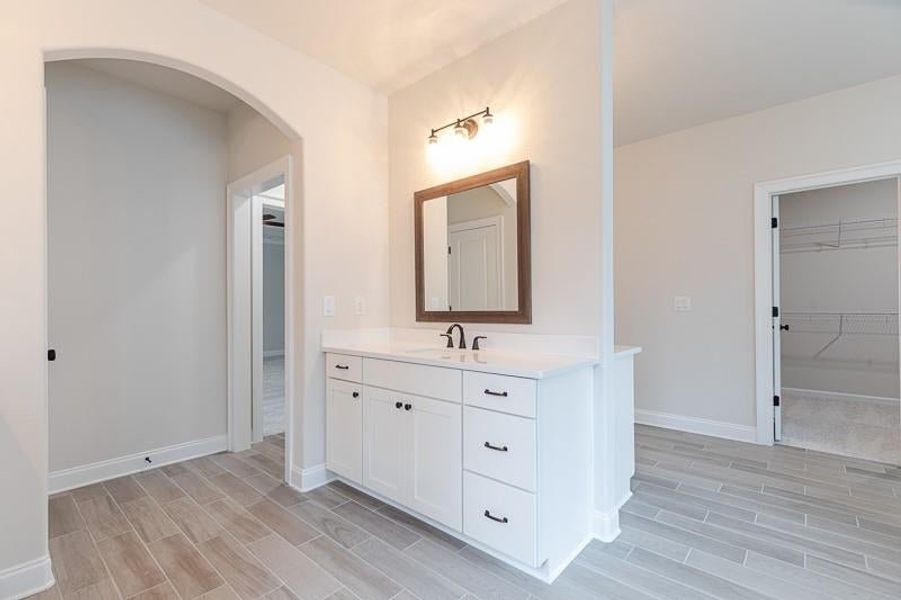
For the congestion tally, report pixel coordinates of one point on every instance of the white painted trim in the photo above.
(605, 525)
(67, 479)
(310, 478)
(763, 271)
(508, 198)
(720, 429)
(841, 396)
(239, 440)
(26, 579)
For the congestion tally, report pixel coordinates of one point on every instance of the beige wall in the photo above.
(683, 205)
(552, 119)
(344, 131)
(136, 253)
(254, 142)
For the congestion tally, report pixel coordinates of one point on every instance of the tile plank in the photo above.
(243, 572)
(148, 519)
(339, 529)
(188, 571)
(282, 522)
(360, 577)
(306, 579)
(129, 563)
(63, 515)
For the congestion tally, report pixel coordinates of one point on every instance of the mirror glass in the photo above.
(470, 249)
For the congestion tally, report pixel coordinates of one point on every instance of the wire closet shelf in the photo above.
(864, 233)
(840, 324)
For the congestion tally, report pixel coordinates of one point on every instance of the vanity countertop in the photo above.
(504, 362)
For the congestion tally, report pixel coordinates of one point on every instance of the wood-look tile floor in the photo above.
(709, 518)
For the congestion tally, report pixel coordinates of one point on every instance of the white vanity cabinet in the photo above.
(344, 428)
(501, 461)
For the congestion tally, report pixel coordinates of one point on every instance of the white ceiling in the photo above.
(681, 63)
(166, 81)
(678, 64)
(386, 44)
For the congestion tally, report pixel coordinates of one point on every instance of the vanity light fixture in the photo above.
(465, 128)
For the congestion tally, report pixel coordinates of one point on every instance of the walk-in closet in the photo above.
(838, 284)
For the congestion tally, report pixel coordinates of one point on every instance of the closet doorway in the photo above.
(835, 286)
(837, 292)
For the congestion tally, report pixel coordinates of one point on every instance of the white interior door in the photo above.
(777, 325)
(474, 265)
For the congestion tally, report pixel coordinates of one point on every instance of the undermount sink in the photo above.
(444, 353)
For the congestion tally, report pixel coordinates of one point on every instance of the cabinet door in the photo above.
(385, 443)
(344, 429)
(436, 463)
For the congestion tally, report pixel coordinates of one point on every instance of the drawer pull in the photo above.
(342, 367)
(356, 394)
(496, 519)
(498, 448)
(398, 404)
(490, 393)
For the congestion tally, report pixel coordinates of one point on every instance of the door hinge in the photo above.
(448, 249)
(51, 354)
(774, 222)
(775, 400)
(775, 311)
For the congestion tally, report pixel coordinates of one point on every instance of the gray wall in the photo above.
(136, 204)
(274, 296)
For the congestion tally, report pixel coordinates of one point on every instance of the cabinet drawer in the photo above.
(501, 517)
(342, 366)
(421, 380)
(500, 446)
(514, 395)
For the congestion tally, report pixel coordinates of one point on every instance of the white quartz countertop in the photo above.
(505, 362)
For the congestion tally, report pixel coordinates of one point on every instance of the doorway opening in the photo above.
(272, 306)
(140, 302)
(260, 299)
(833, 297)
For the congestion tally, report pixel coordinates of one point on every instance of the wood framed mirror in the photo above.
(473, 249)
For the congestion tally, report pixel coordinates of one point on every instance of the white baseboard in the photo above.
(840, 396)
(67, 479)
(720, 429)
(310, 478)
(605, 525)
(26, 579)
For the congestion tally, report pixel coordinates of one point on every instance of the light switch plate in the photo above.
(360, 305)
(328, 306)
(682, 303)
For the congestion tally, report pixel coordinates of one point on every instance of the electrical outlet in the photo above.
(360, 305)
(328, 306)
(682, 303)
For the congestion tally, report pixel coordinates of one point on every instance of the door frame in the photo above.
(244, 323)
(763, 272)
